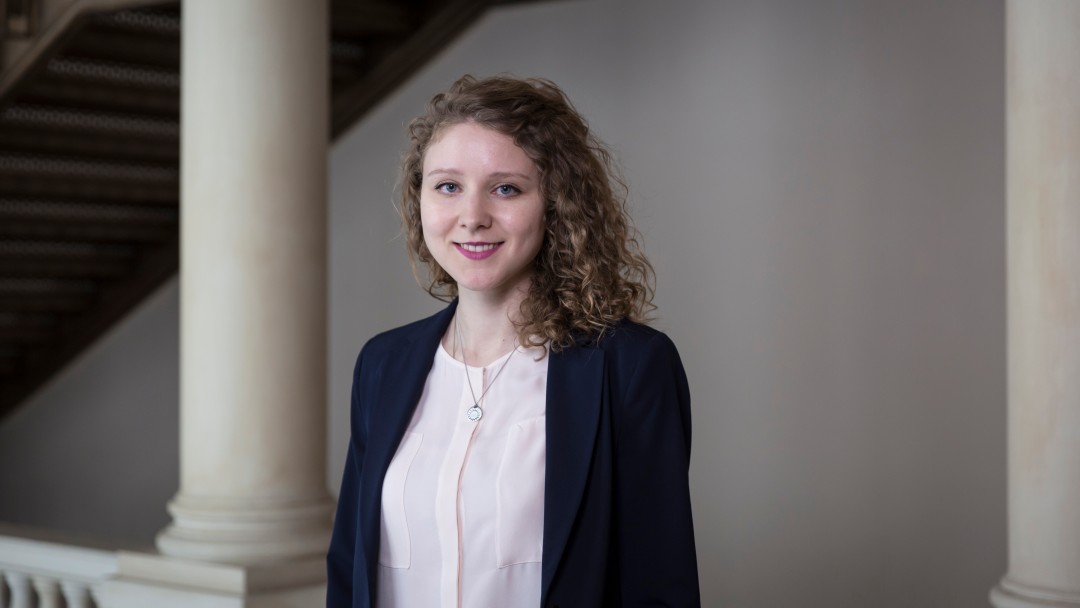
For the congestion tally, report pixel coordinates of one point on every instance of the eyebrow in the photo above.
(498, 175)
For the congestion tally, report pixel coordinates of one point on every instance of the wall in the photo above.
(820, 187)
(95, 453)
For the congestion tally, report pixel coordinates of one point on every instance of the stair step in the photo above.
(100, 44)
(114, 73)
(89, 121)
(86, 221)
(371, 18)
(76, 167)
(105, 233)
(104, 146)
(91, 189)
(52, 295)
(101, 96)
(159, 22)
(25, 328)
(41, 176)
(45, 131)
(65, 259)
(59, 211)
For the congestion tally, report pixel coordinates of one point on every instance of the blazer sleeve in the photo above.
(343, 542)
(654, 530)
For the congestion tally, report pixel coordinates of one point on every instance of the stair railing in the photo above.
(36, 573)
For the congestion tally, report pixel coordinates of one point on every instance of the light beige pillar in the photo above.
(253, 283)
(1043, 219)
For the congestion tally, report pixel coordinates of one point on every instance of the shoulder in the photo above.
(629, 347)
(628, 339)
(645, 378)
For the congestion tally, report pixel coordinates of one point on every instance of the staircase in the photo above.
(90, 148)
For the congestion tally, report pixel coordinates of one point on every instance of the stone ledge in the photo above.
(229, 578)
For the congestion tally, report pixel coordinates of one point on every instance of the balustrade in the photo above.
(22, 590)
(38, 573)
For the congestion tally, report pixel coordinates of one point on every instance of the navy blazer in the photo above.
(617, 524)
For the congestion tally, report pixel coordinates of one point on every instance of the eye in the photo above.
(507, 190)
(448, 188)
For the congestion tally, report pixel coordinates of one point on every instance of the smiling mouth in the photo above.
(478, 247)
(478, 251)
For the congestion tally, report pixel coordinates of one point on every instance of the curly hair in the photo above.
(591, 271)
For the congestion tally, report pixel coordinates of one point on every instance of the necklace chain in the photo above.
(474, 413)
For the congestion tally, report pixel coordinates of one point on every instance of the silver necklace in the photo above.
(474, 413)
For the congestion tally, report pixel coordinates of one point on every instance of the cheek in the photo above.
(427, 231)
(539, 227)
(429, 220)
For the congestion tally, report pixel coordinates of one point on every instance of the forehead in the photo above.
(472, 146)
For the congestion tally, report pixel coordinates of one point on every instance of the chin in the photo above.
(477, 286)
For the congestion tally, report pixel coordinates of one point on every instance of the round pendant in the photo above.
(474, 413)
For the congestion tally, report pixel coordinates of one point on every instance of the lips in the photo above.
(477, 250)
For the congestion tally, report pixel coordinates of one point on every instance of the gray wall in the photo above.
(96, 451)
(820, 187)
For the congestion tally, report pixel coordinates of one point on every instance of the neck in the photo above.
(486, 326)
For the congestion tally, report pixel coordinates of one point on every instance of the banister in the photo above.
(51, 568)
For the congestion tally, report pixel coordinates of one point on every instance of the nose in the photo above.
(475, 213)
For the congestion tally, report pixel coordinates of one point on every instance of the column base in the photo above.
(1010, 594)
(246, 531)
(164, 582)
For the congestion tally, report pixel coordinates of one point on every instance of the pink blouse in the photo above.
(463, 501)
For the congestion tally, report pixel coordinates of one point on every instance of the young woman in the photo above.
(528, 445)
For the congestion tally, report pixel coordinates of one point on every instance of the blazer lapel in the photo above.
(574, 394)
(399, 384)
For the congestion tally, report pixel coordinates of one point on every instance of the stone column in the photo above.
(1043, 219)
(253, 283)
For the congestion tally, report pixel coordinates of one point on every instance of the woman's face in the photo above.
(481, 209)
